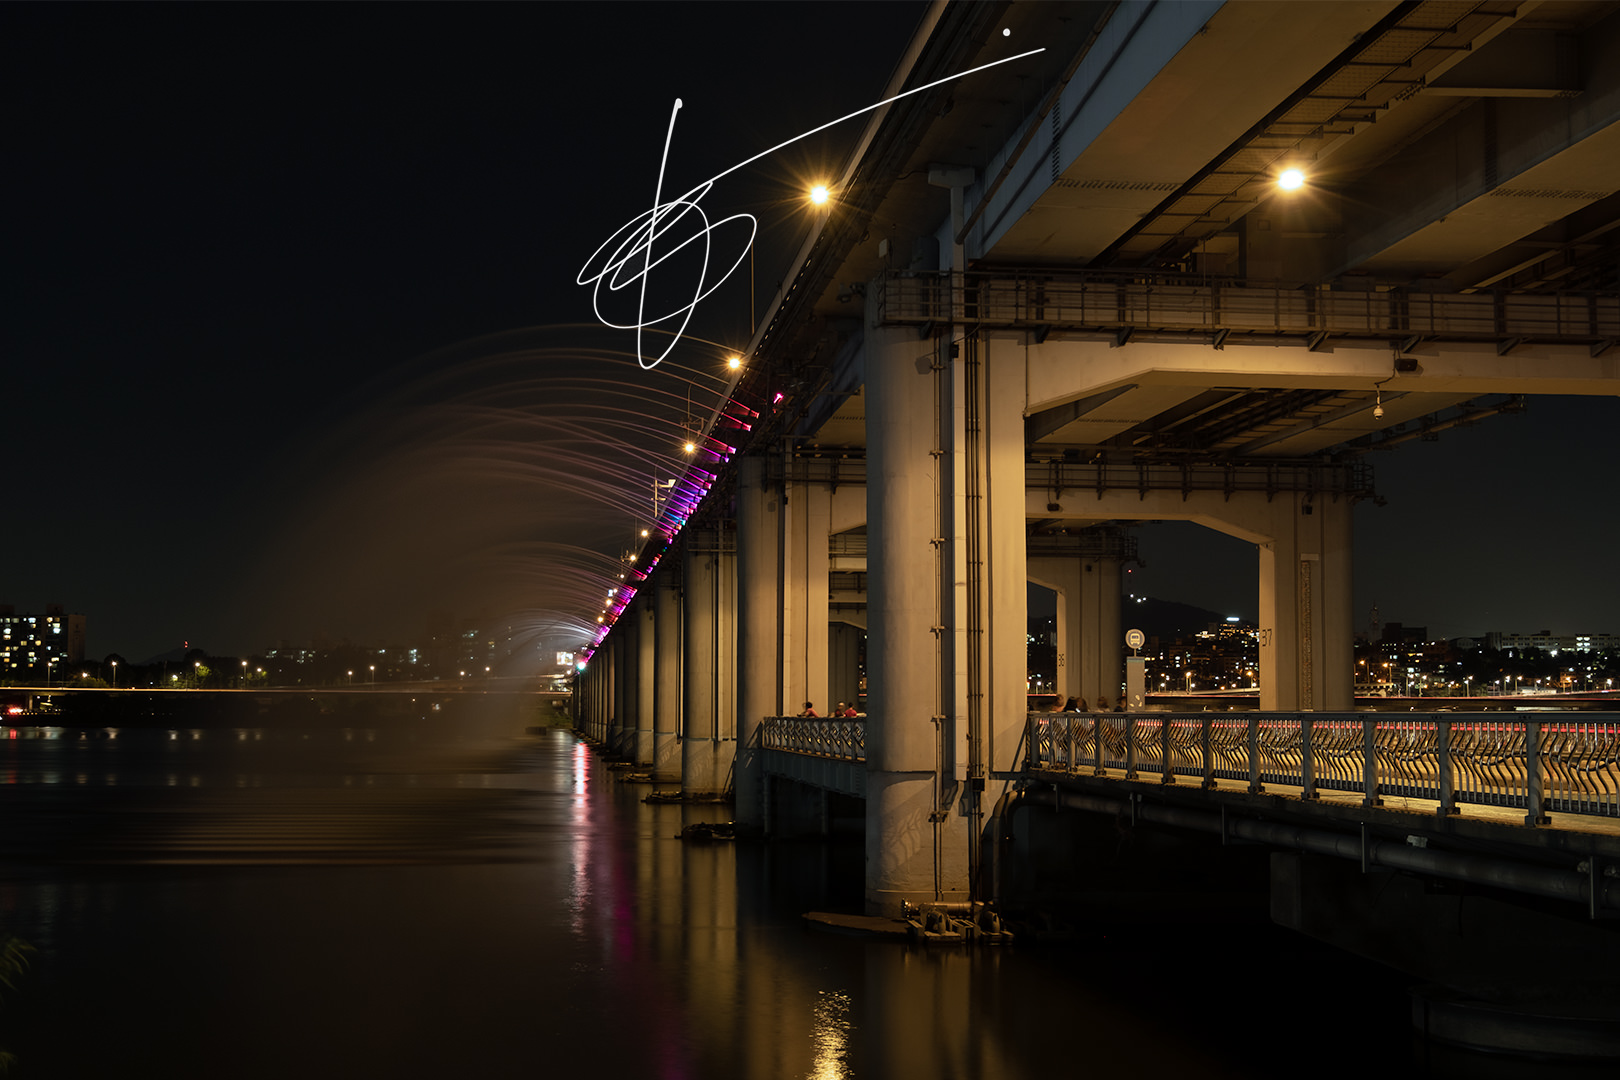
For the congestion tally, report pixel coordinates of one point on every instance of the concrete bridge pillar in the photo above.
(843, 664)
(629, 693)
(1090, 634)
(1307, 647)
(709, 600)
(666, 759)
(643, 629)
(947, 617)
(601, 696)
(759, 629)
(806, 528)
(612, 686)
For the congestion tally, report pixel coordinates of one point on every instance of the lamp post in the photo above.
(115, 674)
(373, 674)
(244, 674)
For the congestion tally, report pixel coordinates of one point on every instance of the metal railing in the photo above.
(844, 739)
(1106, 300)
(1569, 765)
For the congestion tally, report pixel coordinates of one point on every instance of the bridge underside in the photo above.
(1027, 327)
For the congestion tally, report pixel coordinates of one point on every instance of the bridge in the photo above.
(1069, 294)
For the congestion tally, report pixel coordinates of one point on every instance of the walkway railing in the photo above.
(1105, 300)
(844, 739)
(1564, 764)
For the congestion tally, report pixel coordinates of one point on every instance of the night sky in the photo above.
(291, 324)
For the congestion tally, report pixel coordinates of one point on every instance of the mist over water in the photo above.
(501, 481)
(411, 899)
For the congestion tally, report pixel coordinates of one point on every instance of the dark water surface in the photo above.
(389, 902)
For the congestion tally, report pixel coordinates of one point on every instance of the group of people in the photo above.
(1078, 705)
(843, 709)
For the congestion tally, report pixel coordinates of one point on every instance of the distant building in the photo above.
(33, 647)
(1554, 643)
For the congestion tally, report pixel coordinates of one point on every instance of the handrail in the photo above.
(1566, 764)
(833, 737)
(1114, 301)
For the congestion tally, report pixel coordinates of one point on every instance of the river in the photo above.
(417, 901)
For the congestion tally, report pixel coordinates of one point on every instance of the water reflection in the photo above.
(333, 907)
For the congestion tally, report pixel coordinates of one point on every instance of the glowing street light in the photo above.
(115, 674)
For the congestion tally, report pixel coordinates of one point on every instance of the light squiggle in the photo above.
(627, 258)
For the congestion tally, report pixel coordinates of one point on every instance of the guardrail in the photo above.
(832, 737)
(1110, 301)
(1568, 764)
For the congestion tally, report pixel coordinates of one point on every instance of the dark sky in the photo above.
(292, 344)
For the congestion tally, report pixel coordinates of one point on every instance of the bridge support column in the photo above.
(758, 631)
(666, 757)
(628, 661)
(613, 685)
(1307, 651)
(947, 613)
(904, 849)
(843, 664)
(709, 739)
(643, 636)
(806, 528)
(1089, 630)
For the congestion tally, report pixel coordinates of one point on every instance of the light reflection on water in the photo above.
(337, 908)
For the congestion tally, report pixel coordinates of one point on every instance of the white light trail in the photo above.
(627, 258)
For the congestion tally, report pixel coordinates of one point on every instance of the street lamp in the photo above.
(244, 674)
(115, 674)
(373, 674)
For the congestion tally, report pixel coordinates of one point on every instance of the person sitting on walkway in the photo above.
(1102, 703)
(809, 709)
(1072, 706)
(849, 711)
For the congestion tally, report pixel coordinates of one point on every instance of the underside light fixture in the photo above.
(690, 447)
(819, 194)
(1291, 179)
(1378, 406)
(734, 362)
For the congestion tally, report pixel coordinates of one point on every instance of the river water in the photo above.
(401, 902)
